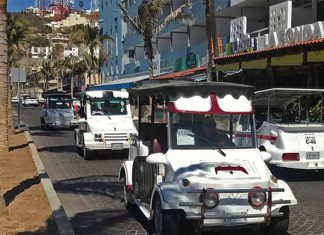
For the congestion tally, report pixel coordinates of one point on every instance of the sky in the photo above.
(19, 5)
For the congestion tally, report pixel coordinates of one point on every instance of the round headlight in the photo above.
(185, 182)
(257, 199)
(211, 200)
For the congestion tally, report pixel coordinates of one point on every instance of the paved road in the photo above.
(91, 194)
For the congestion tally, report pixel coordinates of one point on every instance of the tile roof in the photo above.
(181, 74)
(265, 51)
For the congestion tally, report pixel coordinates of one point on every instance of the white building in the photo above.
(71, 51)
(41, 52)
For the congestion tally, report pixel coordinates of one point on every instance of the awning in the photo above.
(125, 83)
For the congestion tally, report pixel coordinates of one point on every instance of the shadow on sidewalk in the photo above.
(49, 229)
(11, 194)
(20, 146)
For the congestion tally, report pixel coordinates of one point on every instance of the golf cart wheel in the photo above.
(86, 154)
(167, 222)
(279, 225)
(143, 180)
(77, 148)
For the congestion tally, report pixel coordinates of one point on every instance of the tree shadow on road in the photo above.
(11, 194)
(58, 149)
(48, 133)
(112, 221)
(103, 185)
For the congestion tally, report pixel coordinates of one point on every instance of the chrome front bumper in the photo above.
(206, 215)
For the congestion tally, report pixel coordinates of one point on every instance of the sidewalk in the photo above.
(28, 207)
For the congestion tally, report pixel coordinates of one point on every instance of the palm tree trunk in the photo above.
(4, 141)
(4, 138)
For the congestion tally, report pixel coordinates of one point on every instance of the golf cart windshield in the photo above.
(197, 131)
(59, 103)
(111, 106)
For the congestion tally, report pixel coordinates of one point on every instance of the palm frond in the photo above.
(182, 14)
(128, 20)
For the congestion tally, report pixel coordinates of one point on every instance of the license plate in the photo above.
(116, 146)
(236, 221)
(312, 155)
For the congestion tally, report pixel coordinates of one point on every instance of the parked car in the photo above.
(290, 127)
(194, 170)
(105, 122)
(30, 101)
(14, 99)
(57, 111)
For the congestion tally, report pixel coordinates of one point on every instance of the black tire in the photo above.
(167, 222)
(86, 154)
(77, 148)
(279, 225)
(143, 180)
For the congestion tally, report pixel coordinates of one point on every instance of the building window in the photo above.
(131, 53)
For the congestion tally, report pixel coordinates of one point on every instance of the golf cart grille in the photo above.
(116, 137)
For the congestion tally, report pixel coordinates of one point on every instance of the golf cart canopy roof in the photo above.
(103, 93)
(48, 94)
(282, 97)
(200, 97)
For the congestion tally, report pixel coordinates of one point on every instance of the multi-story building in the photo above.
(171, 46)
(274, 43)
(174, 44)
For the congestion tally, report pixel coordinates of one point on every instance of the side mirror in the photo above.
(265, 156)
(156, 158)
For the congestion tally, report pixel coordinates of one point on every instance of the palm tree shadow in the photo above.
(11, 194)
(20, 146)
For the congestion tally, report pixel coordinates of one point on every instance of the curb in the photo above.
(63, 223)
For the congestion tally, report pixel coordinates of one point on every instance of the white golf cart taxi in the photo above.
(57, 111)
(290, 126)
(105, 122)
(178, 173)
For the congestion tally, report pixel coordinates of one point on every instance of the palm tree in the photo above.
(47, 70)
(93, 40)
(4, 136)
(148, 22)
(72, 63)
(18, 35)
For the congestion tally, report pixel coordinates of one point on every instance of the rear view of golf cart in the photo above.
(290, 127)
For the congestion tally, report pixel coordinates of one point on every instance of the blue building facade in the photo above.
(171, 47)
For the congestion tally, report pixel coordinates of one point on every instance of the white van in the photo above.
(105, 122)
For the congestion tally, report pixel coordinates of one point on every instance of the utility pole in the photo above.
(211, 37)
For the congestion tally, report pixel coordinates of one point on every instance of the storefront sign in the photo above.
(280, 31)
